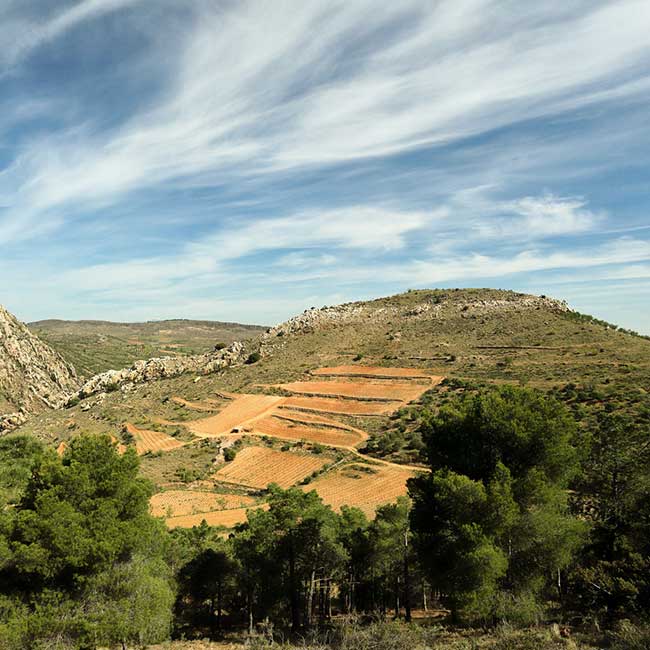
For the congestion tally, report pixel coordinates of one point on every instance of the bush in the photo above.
(253, 357)
(229, 454)
(630, 637)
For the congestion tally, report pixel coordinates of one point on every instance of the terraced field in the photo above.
(224, 518)
(257, 467)
(243, 410)
(176, 503)
(362, 390)
(151, 441)
(377, 372)
(279, 427)
(364, 486)
(308, 414)
(337, 406)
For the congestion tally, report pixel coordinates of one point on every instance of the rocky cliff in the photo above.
(32, 376)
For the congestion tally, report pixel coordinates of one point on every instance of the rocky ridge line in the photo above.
(314, 318)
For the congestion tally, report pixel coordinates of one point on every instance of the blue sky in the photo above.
(242, 160)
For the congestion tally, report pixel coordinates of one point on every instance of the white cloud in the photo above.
(262, 88)
(20, 36)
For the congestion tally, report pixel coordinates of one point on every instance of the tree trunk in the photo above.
(212, 610)
(293, 596)
(219, 604)
(329, 598)
(310, 598)
(249, 604)
(407, 580)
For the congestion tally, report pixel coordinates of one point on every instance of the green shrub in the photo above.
(229, 454)
(630, 637)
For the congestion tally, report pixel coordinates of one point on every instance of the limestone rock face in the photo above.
(33, 377)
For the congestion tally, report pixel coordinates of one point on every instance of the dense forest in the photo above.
(523, 518)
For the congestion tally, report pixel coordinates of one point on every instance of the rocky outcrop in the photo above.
(433, 307)
(161, 368)
(33, 377)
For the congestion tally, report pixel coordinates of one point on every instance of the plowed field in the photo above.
(372, 371)
(354, 485)
(362, 390)
(256, 467)
(340, 406)
(242, 411)
(175, 503)
(227, 518)
(151, 440)
(281, 428)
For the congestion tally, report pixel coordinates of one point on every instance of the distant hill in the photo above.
(337, 385)
(33, 377)
(93, 346)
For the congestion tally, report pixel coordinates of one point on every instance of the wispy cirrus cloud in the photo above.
(20, 35)
(260, 88)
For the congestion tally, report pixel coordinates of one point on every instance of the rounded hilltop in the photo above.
(422, 304)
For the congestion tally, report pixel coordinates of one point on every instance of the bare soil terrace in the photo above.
(257, 467)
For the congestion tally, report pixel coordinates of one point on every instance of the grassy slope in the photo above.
(95, 346)
(612, 369)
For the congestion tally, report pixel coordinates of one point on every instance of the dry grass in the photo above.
(377, 372)
(257, 467)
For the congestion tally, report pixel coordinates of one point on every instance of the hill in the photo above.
(93, 346)
(325, 400)
(33, 377)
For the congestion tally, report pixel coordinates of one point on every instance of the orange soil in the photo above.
(372, 371)
(382, 391)
(258, 466)
(176, 503)
(61, 449)
(341, 406)
(280, 428)
(352, 487)
(305, 417)
(151, 440)
(242, 411)
(227, 518)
